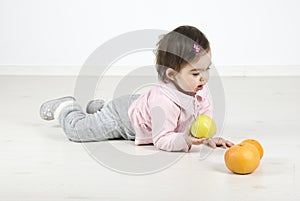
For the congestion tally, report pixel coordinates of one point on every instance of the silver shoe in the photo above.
(48, 108)
(94, 105)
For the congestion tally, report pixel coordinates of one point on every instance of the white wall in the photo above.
(65, 32)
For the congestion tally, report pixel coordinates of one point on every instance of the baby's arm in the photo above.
(164, 125)
(207, 109)
(166, 138)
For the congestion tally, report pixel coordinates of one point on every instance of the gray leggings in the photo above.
(111, 122)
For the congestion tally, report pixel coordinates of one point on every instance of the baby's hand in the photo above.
(197, 141)
(218, 142)
(191, 140)
(212, 142)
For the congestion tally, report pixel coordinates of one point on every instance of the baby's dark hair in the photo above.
(178, 48)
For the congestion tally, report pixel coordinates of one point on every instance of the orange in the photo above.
(257, 145)
(242, 158)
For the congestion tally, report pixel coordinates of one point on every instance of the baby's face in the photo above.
(194, 75)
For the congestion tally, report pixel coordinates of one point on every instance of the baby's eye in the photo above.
(196, 74)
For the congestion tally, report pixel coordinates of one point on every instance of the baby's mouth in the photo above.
(200, 87)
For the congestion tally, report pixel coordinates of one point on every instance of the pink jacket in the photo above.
(163, 115)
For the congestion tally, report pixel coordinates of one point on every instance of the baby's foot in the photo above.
(94, 105)
(48, 108)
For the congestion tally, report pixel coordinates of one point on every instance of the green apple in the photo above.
(203, 127)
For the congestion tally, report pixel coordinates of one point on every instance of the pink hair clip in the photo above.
(197, 48)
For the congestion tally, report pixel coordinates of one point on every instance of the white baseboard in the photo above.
(259, 70)
(43, 70)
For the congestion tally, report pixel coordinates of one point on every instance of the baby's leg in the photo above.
(121, 105)
(94, 106)
(82, 127)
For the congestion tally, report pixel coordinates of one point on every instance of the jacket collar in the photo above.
(180, 98)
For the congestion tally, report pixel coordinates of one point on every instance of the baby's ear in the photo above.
(170, 73)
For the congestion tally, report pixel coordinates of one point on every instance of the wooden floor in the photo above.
(39, 163)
